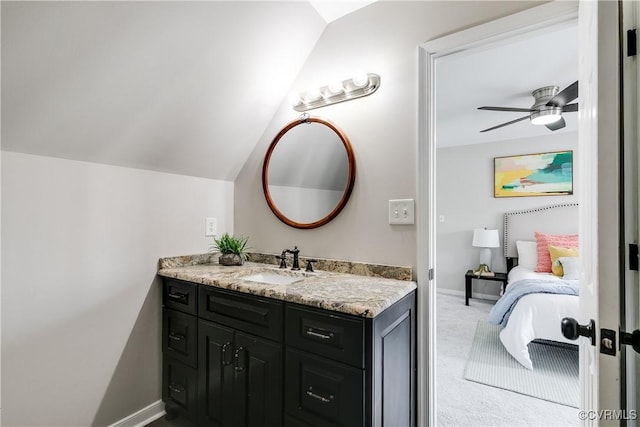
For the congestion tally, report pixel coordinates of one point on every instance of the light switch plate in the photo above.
(211, 227)
(401, 211)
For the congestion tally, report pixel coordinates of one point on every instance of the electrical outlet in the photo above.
(401, 211)
(211, 227)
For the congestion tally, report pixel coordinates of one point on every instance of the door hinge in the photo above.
(431, 274)
(634, 261)
(631, 42)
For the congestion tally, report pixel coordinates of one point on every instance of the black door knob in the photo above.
(632, 339)
(571, 329)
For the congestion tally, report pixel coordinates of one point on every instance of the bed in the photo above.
(535, 303)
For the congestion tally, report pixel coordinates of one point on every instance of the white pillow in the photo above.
(571, 267)
(527, 254)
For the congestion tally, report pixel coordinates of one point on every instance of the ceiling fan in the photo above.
(546, 110)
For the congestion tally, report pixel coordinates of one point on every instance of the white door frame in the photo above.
(631, 79)
(592, 206)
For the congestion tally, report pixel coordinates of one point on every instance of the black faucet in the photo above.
(283, 259)
(295, 252)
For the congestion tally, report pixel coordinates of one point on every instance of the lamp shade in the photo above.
(483, 238)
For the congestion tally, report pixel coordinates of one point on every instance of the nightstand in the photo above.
(469, 276)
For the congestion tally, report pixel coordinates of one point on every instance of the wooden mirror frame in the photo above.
(350, 180)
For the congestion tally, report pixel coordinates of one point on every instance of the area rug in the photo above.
(555, 374)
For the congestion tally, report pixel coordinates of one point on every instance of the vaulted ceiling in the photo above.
(190, 87)
(182, 87)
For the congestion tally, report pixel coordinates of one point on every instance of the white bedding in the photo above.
(535, 316)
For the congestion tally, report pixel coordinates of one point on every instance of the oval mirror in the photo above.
(308, 173)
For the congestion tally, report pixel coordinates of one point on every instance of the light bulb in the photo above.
(546, 116)
(360, 79)
(312, 94)
(335, 88)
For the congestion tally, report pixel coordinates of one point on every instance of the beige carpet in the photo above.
(466, 403)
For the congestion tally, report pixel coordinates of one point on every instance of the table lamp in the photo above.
(485, 239)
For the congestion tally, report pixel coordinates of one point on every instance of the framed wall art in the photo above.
(540, 174)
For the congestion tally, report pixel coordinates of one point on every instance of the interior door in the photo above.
(631, 95)
(600, 212)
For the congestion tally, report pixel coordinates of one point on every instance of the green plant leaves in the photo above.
(227, 244)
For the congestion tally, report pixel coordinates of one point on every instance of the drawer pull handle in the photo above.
(318, 397)
(180, 296)
(175, 389)
(320, 335)
(176, 337)
(225, 353)
(241, 359)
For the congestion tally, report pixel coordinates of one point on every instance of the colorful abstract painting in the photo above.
(542, 174)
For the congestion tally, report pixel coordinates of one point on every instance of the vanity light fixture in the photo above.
(361, 84)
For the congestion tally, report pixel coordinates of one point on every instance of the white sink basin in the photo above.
(272, 278)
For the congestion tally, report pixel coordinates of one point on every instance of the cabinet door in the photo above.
(179, 390)
(215, 374)
(179, 336)
(322, 392)
(258, 382)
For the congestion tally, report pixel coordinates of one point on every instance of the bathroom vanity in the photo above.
(255, 345)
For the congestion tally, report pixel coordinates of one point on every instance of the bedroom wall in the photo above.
(81, 304)
(463, 207)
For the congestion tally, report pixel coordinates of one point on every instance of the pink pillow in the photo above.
(543, 242)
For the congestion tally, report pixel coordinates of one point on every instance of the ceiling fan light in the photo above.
(545, 117)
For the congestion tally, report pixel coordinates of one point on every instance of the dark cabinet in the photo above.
(234, 359)
(322, 392)
(344, 370)
(240, 378)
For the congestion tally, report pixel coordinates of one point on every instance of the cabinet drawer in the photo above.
(335, 336)
(322, 392)
(249, 313)
(181, 296)
(179, 388)
(180, 336)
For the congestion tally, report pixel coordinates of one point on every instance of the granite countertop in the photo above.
(363, 296)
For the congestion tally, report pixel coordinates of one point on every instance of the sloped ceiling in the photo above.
(330, 10)
(180, 87)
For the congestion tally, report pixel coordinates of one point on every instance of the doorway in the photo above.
(501, 73)
(515, 26)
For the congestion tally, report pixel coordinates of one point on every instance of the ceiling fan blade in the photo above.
(569, 108)
(506, 124)
(556, 125)
(518, 110)
(567, 95)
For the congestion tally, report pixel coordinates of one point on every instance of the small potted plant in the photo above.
(233, 249)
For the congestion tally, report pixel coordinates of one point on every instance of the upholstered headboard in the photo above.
(522, 224)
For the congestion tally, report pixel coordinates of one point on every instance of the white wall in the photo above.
(465, 199)
(81, 304)
(382, 38)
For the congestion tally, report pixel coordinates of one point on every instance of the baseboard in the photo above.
(473, 294)
(143, 417)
